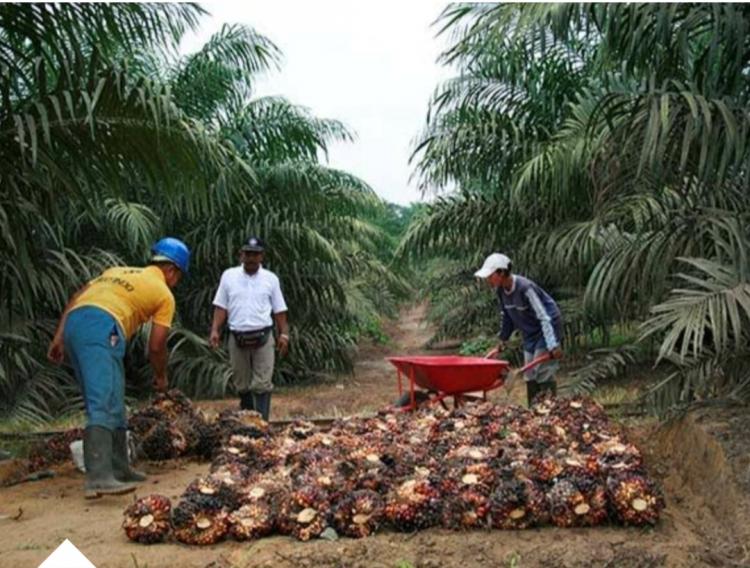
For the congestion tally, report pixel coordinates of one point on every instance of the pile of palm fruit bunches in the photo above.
(170, 427)
(560, 463)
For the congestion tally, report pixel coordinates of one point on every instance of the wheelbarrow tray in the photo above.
(451, 374)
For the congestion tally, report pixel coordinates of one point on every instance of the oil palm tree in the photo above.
(601, 144)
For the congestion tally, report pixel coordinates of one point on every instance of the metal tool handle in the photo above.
(538, 361)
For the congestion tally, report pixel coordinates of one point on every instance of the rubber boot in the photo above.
(246, 401)
(97, 456)
(534, 389)
(263, 404)
(120, 463)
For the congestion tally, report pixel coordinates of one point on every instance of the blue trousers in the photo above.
(95, 347)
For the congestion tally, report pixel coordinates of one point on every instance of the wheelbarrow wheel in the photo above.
(404, 400)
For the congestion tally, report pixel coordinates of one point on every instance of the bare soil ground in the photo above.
(703, 461)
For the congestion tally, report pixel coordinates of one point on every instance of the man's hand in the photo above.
(495, 351)
(557, 353)
(214, 339)
(161, 383)
(283, 344)
(56, 351)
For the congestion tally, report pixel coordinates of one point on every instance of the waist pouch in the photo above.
(252, 339)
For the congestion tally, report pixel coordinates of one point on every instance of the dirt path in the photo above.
(371, 387)
(694, 530)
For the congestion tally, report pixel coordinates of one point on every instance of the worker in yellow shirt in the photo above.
(93, 331)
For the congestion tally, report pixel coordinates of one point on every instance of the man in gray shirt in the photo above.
(249, 298)
(527, 307)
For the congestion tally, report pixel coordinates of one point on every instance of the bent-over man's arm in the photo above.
(157, 355)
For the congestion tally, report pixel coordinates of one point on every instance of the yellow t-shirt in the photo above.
(132, 296)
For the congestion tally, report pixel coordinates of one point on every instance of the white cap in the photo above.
(495, 261)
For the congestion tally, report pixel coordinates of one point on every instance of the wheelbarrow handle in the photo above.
(538, 361)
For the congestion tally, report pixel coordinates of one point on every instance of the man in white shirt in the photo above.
(249, 299)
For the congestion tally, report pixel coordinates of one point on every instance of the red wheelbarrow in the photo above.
(450, 375)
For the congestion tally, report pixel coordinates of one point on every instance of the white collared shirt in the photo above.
(249, 298)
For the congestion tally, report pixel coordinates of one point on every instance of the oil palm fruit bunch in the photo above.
(466, 474)
(573, 408)
(323, 478)
(300, 429)
(199, 520)
(242, 422)
(208, 439)
(55, 449)
(544, 468)
(358, 514)
(214, 487)
(259, 453)
(594, 492)
(241, 474)
(252, 520)
(401, 460)
(147, 520)
(163, 441)
(517, 503)
(575, 464)
(173, 403)
(465, 508)
(266, 489)
(635, 499)
(415, 504)
(618, 456)
(143, 420)
(577, 502)
(364, 469)
(304, 514)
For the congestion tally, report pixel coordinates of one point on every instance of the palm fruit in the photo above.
(635, 499)
(265, 490)
(517, 504)
(471, 453)
(323, 478)
(466, 508)
(413, 505)
(220, 488)
(562, 500)
(253, 520)
(304, 514)
(148, 519)
(400, 461)
(358, 514)
(544, 468)
(54, 450)
(579, 465)
(235, 469)
(141, 421)
(460, 475)
(593, 510)
(577, 502)
(242, 422)
(164, 441)
(300, 429)
(208, 440)
(173, 404)
(199, 520)
(616, 456)
(364, 469)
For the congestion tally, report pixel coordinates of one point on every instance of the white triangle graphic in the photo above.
(66, 556)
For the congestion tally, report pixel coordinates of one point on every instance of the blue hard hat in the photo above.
(173, 250)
